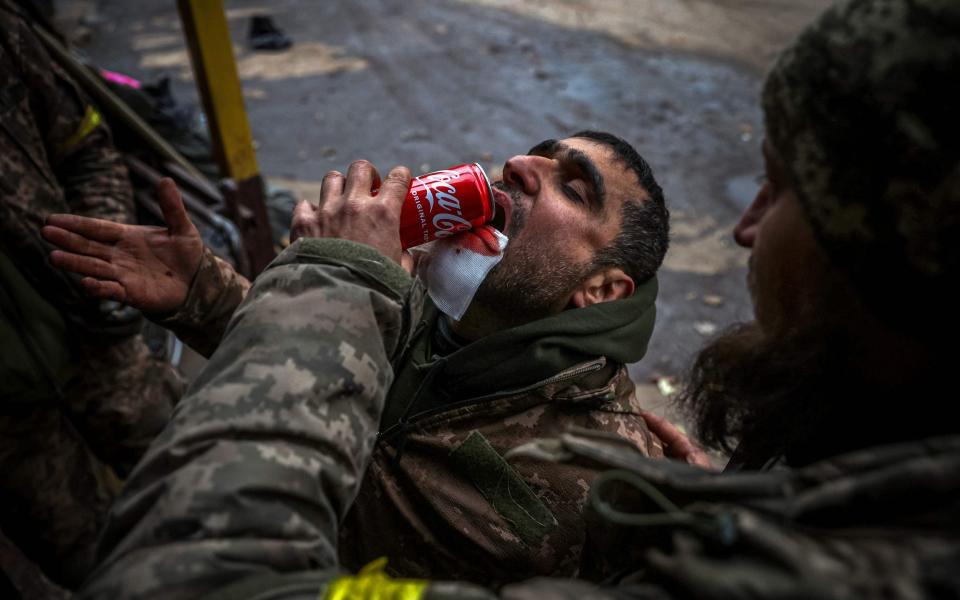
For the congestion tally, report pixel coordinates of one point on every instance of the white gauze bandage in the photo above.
(453, 268)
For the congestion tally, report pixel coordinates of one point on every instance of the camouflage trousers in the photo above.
(62, 464)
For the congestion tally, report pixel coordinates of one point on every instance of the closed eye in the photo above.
(574, 193)
(571, 193)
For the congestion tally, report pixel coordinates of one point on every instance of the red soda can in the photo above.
(444, 203)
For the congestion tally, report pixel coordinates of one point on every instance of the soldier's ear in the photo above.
(606, 285)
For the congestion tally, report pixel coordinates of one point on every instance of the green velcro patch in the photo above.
(503, 488)
(358, 257)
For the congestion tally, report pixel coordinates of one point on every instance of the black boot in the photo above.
(264, 35)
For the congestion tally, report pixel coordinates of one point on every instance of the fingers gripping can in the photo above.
(444, 203)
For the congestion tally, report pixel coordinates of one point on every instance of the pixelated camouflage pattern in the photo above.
(424, 512)
(61, 456)
(40, 109)
(862, 111)
(281, 421)
(215, 293)
(421, 512)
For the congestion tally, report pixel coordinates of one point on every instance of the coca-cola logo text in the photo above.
(438, 190)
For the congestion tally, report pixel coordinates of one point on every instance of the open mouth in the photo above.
(502, 216)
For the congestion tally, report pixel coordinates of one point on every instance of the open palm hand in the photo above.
(149, 268)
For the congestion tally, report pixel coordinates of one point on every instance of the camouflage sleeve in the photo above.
(56, 157)
(215, 293)
(77, 140)
(266, 451)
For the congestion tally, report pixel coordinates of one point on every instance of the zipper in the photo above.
(571, 373)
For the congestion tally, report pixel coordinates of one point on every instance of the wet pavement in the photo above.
(431, 83)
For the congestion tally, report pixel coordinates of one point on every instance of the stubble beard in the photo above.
(532, 281)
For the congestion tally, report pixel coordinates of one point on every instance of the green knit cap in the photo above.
(864, 111)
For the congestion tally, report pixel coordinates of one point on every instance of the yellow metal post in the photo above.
(215, 70)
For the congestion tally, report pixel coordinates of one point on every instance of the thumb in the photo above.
(667, 432)
(171, 204)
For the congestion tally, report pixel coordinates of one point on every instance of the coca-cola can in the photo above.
(444, 203)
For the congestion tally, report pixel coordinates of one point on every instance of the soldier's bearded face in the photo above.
(563, 202)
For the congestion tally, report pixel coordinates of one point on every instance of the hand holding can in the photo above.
(434, 205)
(357, 207)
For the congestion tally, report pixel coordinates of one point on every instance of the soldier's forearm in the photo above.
(266, 451)
(215, 293)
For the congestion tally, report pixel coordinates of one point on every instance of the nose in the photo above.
(745, 231)
(525, 172)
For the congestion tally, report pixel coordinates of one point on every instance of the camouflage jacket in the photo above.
(444, 499)
(242, 494)
(56, 155)
(215, 293)
(435, 477)
(265, 453)
(81, 396)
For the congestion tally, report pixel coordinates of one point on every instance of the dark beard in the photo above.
(760, 394)
(528, 284)
(803, 398)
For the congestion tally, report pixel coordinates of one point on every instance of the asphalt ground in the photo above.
(432, 83)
